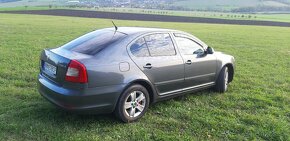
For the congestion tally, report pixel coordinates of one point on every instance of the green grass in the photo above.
(32, 3)
(221, 5)
(25, 8)
(227, 5)
(256, 106)
(219, 15)
(274, 17)
(217, 4)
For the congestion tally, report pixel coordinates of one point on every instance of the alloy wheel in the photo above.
(134, 104)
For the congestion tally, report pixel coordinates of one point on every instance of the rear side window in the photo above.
(160, 44)
(139, 48)
(94, 42)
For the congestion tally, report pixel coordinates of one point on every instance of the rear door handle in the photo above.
(147, 66)
(188, 62)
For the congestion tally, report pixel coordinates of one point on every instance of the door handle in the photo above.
(188, 62)
(147, 66)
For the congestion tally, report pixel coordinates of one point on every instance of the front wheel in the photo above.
(223, 80)
(132, 104)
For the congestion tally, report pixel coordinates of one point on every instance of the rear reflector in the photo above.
(76, 72)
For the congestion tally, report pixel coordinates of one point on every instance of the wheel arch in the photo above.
(149, 87)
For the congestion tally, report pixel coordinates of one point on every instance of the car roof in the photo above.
(136, 31)
(141, 30)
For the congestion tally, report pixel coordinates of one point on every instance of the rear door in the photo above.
(156, 56)
(200, 68)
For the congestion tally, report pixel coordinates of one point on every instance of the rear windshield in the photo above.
(94, 42)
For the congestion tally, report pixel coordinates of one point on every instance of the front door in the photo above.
(200, 68)
(156, 56)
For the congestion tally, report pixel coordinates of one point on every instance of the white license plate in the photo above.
(49, 69)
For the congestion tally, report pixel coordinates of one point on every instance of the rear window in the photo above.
(94, 42)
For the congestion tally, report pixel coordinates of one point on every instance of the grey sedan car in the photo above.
(124, 70)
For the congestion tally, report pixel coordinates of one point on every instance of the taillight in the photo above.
(76, 72)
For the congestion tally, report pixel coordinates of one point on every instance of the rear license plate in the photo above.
(49, 69)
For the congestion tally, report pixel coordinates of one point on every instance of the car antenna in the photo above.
(116, 28)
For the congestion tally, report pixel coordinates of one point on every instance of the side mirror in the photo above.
(209, 50)
(199, 52)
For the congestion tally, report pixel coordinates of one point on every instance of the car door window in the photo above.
(160, 44)
(188, 46)
(139, 48)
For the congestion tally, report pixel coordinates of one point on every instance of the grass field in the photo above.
(256, 105)
(25, 8)
(217, 4)
(32, 3)
(221, 5)
(219, 15)
(227, 5)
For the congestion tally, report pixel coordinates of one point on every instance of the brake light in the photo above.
(76, 72)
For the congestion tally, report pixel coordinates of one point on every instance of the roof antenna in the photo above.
(116, 28)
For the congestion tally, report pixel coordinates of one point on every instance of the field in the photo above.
(217, 4)
(32, 3)
(227, 5)
(219, 15)
(255, 107)
(144, 17)
(278, 17)
(220, 5)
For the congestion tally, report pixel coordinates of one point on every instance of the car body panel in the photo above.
(201, 70)
(114, 69)
(173, 66)
(89, 100)
(223, 60)
(164, 82)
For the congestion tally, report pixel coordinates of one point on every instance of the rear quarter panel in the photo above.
(112, 66)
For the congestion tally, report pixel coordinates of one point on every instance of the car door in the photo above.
(200, 68)
(157, 57)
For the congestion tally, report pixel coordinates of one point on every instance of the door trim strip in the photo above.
(188, 88)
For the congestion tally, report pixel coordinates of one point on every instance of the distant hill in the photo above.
(4, 1)
(242, 6)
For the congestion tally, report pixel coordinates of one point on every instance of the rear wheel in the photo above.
(132, 104)
(223, 80)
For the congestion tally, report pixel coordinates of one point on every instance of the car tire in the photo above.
(132, 104)
(223, 80)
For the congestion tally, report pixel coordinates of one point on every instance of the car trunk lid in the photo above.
(54, 64)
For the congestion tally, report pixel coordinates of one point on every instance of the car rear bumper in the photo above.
(90, 100)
